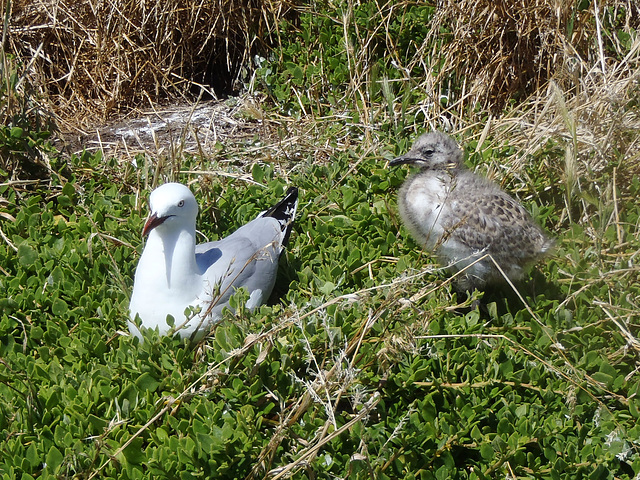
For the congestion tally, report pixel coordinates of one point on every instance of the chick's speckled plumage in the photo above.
(462, 216)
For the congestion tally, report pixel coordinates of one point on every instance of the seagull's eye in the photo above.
(181, 203)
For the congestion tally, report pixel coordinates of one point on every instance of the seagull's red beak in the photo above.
(152, 222)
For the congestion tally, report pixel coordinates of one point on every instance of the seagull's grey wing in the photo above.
(247, 258)
(207, 254)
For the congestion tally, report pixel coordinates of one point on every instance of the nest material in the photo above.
(94, 57)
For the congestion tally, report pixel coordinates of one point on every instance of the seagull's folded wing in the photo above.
(247, 258)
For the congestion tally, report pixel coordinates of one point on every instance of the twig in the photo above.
(309, 452)
(487, 383)
(632, 341)
(6, 239)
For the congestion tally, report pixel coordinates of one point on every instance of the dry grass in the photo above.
(532, 75)
(214, 138)
(91, 59)
(591, 122)
(479, 57)
(509, 50)
(476, 59)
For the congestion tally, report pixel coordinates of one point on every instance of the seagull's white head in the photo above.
(172, 206)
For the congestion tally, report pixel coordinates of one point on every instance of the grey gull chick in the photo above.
(193, 283)
(463, 216)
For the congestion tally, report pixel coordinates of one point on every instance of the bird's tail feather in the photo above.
(285, 212)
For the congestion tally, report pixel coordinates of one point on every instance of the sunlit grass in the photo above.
(366, 364)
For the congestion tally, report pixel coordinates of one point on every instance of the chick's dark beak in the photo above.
(403, 159)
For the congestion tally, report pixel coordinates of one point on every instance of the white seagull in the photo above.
(193, 283)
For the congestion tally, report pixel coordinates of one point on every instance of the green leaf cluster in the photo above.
(337, 59)
(426, 391)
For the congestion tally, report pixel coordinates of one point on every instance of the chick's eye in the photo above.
(181, 203)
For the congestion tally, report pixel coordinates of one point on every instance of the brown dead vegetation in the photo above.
(510, 49)
(564, 66)
(93, 58)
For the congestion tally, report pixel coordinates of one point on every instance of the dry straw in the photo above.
(510, 49)
(97, 57)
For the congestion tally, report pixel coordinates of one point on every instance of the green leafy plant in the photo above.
(366, 363)
(362, 367)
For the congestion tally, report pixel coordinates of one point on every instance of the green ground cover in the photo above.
(366, 364)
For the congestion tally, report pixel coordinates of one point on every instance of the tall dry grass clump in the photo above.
(593, 117)
(92, 58)
(506, 50)
(539, 75)
(412, 62)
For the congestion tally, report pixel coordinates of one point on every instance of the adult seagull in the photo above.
(193, 283)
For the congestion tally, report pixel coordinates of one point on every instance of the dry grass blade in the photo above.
(313, 450)
(579, 379)
(632, 341)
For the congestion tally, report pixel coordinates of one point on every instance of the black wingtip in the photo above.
(285, 212)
